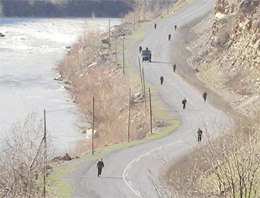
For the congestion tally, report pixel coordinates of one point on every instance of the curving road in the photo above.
(128, 171)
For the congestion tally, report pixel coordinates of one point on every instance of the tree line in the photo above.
(69, 8)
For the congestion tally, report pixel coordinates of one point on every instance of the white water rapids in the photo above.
(29, 53)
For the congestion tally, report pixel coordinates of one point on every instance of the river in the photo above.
(29, 54)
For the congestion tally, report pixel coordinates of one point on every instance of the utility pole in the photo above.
(92, 135)
(109, 34)
(168, 7)
(144, 88)
(129, 107)
(45, 154)
(151, 113)
(141, 75)
(116, 49)
(134, 21)
(121, 24)
(123, 55)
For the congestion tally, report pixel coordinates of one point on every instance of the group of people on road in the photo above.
(155, 26)
(184, 102)
(100, 164)
(169, 36)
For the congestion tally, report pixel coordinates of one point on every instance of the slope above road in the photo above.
(131, 172)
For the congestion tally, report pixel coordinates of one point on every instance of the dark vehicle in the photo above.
(146, 55)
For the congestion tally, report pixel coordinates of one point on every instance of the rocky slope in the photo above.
(227, 53)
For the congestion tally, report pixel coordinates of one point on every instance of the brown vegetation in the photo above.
(225, 58)
(144, 10)
(228, 166)
(91, 72)
(21, 160)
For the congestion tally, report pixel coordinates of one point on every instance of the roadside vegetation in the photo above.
(94, 68)
(22, 162)
(227, 166)
(91, 70)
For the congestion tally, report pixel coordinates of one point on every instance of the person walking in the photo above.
(184, 101)
(100, 165)
(161, 79)
(175, 27)
(199, 132)
(205, 96)
(155, 25)
(140, 49)
(169, 37)
(174, 67)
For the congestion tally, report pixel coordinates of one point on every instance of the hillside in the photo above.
(225, 51)
(229, 57)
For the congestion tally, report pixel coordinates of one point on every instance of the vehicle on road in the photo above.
(146, 55)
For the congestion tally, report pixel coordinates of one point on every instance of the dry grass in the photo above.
(91, 72)
(227, 166)
(21, 159)
(150, 10)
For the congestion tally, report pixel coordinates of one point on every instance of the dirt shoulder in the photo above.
(180, 55)
(180, 170)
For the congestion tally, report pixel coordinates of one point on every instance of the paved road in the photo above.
(127, 172)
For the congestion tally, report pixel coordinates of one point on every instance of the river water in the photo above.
(29, 53)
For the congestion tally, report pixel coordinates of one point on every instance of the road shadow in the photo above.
(161, 62)
(118, 178)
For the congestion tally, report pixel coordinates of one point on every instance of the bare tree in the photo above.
(228, 166)
(21, 159)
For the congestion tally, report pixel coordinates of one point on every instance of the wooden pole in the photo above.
(123, 55)
(92, 135)
(45, 154)
(151, 113)
(109, 34)
(116, 49)
(121, 24)
(141, 75)
(129, 114)
(134, 20)
(144, 88)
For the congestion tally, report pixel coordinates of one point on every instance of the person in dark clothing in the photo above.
(174, 67)
(205, 96)
(140, 49)
(199, 132)
(161, 79)
(184, 101)
(175, 27)
(169, 37)
(155, 25)
(100, 165)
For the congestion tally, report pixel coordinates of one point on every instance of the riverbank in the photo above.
(30, 51)
(93, 71)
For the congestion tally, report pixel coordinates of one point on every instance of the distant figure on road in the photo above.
(174, 67)
(140, 49)
(175, 27)
(155, 25)
(100, 165)
(169, 37)
(205, 96)
(199, 132)
(161, 79)
(184, 101)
